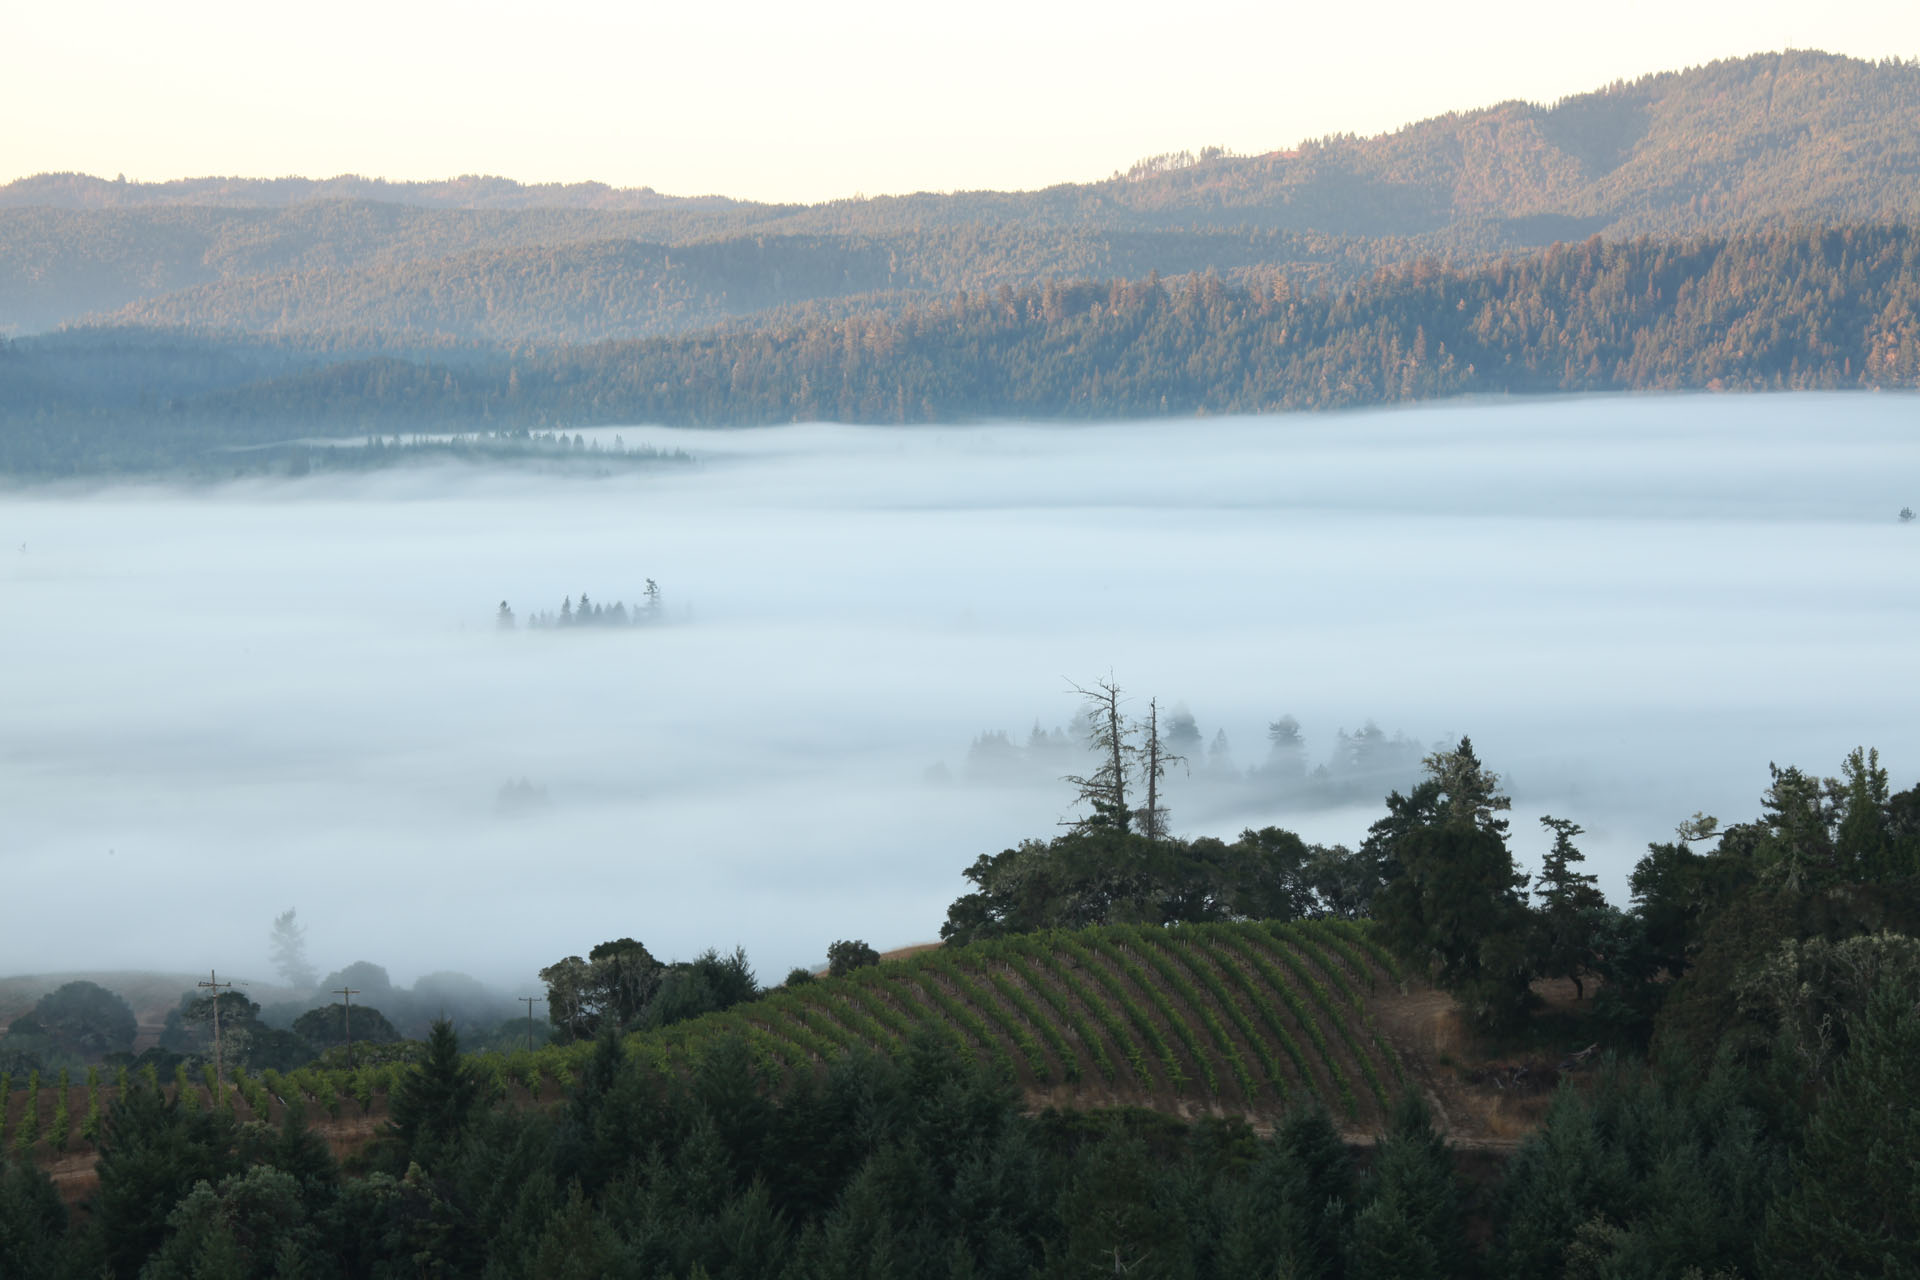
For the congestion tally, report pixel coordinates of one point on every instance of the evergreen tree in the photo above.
(436, 1100)
(1452, 897)
(1387, 1245)
(289, 944)
(1864, 849)
(255, 1223)
(1411, 1224)
(1286, 747)
(33, 1222)
(1796, 852)
(1854, 1204)
(1117, 1221)
(154, 1150)
(1572, 911)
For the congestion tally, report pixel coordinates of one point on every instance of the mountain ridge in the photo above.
(1791, 138)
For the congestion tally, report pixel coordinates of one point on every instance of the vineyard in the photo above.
(1248, 1018)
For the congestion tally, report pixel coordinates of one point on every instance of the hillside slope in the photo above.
(1250, 1021)
(1797, 136)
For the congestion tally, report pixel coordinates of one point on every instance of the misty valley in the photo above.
(1336, 710)
(860, 681)
(1203, 938)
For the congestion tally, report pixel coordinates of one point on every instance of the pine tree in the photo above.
(435, 1101)
(1452, 900)
(1286, 750)
(1417, 1226)
(1117, 1222)
(33, 1222)
(289, 947)
(1572, 910)
(1854, 1204)
(1863, 846)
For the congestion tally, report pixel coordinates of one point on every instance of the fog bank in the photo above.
(224, 702)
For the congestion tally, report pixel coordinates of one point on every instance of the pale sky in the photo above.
(774, 100)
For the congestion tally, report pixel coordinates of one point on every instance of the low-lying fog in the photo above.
(223, 702)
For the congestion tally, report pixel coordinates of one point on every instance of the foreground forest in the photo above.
(1135, 1053)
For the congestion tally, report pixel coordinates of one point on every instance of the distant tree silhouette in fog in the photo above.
(289, 942)
(589, 613)
(520, 797)
(1358, 763)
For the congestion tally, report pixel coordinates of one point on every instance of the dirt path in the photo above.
(1425, 1026)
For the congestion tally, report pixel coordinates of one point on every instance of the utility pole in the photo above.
(529, 1003)
(346, 995)
(213, 982)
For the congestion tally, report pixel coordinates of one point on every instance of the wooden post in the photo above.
(213, 982)
(529, 1001)
(346, 995)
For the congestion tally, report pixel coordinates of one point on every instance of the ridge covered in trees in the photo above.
(1779, 310)
(1734, 145)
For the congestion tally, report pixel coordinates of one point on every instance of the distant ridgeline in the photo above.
(1776, 310)
(650, 611)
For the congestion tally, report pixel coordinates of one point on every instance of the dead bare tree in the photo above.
(1154, 762)
(1105, 789)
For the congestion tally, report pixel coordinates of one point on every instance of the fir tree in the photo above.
(1854, 1204)
(1572, 910)
(435, 1101)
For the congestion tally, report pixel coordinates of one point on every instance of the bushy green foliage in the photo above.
(1102, 876)
(846, 955)
(327, 1026)
(1853, 1207)
(83, 1019)
(33, 1223)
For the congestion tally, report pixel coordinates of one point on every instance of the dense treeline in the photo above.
(1779, 310)
(877, 1168)
(1782, 310)
(606, 289)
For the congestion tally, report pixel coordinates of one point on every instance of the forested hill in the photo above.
(628, 288)
(1773, 139)
(1786, 309)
